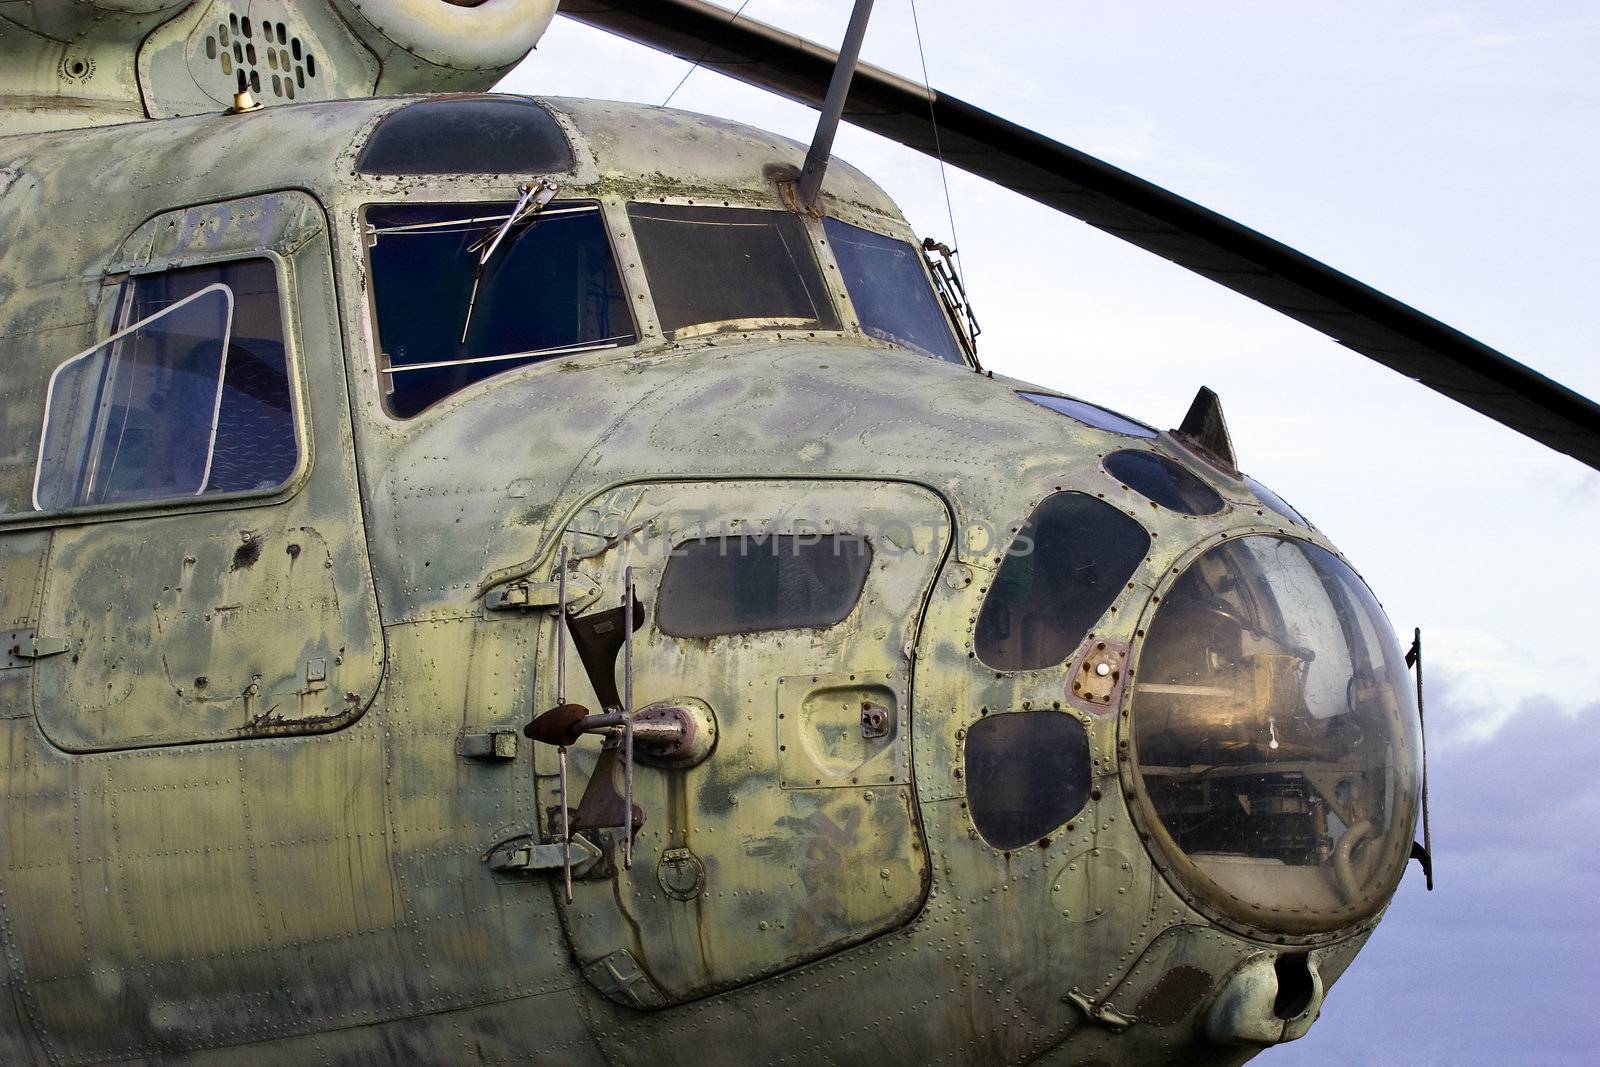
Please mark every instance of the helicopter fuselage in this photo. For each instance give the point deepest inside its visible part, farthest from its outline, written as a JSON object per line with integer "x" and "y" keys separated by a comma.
{"x": 263, "y": 705}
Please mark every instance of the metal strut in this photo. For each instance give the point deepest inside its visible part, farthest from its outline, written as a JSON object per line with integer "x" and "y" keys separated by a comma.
{"x": 561, "y": 699}
{"x": 669, "y": 731}
{"x": 627, "y": 717}
{"x": 816, "y": 165}
{"x": 1425, "y": 856}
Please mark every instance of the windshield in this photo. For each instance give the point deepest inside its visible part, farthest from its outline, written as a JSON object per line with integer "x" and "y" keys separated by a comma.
{"x": 889, "y": 288}
{"x": 715, "y": 269}
{"x": 549, "y": 289}
{"x": 1276, "y": 735}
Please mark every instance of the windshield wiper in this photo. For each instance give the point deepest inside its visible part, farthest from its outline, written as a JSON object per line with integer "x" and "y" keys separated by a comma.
{"x": 530, "y": 202}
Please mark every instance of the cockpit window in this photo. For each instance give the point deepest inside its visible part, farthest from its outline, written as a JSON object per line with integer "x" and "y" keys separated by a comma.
{"x": 1276, "y": 735}
{"x": 889, "y": 288}
{"x": 1062, "y": 572}
{"x": 740, "y": 585}
{"x": 192, "y": 397}
{"x": 550, "y": 288}
{"x": 715, "y": 269}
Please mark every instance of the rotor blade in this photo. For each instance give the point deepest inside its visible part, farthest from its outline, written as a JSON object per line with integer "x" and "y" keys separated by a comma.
{"x": 1110, "y": 199}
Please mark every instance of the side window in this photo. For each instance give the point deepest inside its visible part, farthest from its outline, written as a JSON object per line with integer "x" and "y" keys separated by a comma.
{"x": 739, "y": 585}
{"x": 191, "y": 396}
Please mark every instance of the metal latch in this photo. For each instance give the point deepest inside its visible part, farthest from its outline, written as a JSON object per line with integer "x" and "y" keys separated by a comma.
{"x": 25, "y": 645}
{"x": 499, "y": 744}
{"x": 1103, "y": 1013}
{"x": 536, "y": 596}
{"x": 524, "y": 855}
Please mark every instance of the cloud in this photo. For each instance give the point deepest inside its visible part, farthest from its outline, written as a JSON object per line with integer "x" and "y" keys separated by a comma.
{"x": 1498, "y": 965}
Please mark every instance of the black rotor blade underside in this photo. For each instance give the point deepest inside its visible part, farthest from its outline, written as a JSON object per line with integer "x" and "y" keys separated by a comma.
{"x": 1110, "y": 199}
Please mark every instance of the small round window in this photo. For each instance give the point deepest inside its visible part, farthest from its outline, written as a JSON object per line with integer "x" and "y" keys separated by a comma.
{"x": 1159, "y": 479}
{"x": 1027, "y": 773}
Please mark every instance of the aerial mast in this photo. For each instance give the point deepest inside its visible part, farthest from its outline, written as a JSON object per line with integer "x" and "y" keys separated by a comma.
{"x": 816, "y": 165}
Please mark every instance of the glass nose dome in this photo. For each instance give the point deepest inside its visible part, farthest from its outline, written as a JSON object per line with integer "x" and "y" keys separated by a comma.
{"x": 1275, "y": 736}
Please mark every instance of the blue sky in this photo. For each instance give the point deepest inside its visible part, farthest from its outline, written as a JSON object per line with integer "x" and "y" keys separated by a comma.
{"x": 1446, "y": 153}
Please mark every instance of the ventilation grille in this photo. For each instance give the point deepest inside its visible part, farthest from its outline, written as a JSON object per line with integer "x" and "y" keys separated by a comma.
{"x": 262, "y": 57}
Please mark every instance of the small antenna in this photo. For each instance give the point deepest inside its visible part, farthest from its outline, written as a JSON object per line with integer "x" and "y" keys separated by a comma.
{"x": 816, "y": 165}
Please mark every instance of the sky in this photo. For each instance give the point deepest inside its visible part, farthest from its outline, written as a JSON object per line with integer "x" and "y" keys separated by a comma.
{"x": 1444, "y": 153}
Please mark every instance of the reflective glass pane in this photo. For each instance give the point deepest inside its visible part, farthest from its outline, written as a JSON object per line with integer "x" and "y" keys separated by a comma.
{"x": 1089, "y": 414}
{"x": 550, "y": 289}
{"x": 130, "y": 420}
{"x": 1274, "y": 502}
{"x": 736, "y": 585}
{"x": 1027, "y": 773}
{"x": 889, "y": 288}
{"x": 1062, "y": 572}
{"x": 467, "y": 135}
{"x": 1276, "y": 734}
{"x": 257, "y": 447}
{"x": 718, "y": 268}
{"x": 1162, "y": 480}
{"x": 134, "y": 418}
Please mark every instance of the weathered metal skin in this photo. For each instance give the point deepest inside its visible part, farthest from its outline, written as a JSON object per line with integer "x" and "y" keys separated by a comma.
{"x": 274, "y": 886}
{"x": 75, "y": 63}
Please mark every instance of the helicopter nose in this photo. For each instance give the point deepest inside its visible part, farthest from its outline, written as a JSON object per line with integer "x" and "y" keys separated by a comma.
{"x": 1267, "y": 1000}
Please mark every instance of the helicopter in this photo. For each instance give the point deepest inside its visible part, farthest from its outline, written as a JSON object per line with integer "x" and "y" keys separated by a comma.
{"x": 491, "y": 578}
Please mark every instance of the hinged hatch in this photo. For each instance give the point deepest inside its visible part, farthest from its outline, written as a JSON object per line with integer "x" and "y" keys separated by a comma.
{"x": 786, "y": 610}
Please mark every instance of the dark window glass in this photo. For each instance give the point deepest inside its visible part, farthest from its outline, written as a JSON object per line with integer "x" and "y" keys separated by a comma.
{"x": 467, "y": 135}
{"x": 738, "y": 585}
{"x": 1027, "y": 773}
{"x": 713, "y": 269}
{"x": 550, "y": 289}
{"x": 890, "y": 289}
{"x": 1090, "y": 415}
{"x": 190, "y": 397}
{"x": 1276, "y": 503}
{"x": 1163, "y": 481}
{"x": 1063, "y": 571}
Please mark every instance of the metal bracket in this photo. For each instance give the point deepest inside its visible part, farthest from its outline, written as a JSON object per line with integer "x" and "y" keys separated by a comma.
{"x": 495, "y": 744}
{"x": 620, "y": 978}
{"x": 539, "y": 596}
{"x": 875, "y": 719}
{"x": 524, "y": 855}
{"x": 24, "y": 646}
